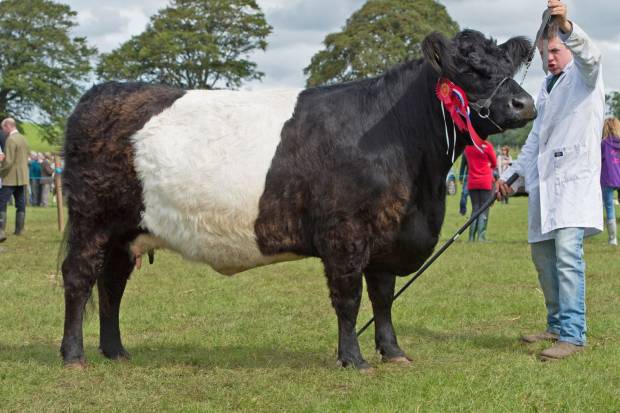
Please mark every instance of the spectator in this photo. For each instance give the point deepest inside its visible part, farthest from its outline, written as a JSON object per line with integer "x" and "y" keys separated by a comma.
{"x": 2, "y": 141}
{"x": 610, "y": 173}
{"x": 464, "y": 191}
{"x": 47, "y": 171}
{"x": 34, "y": 170}
{"x": 481, "y": 164}
{"x": 504, "y": 160}
{"x": 1, "y": 159}
{"x": 14, "y": 174}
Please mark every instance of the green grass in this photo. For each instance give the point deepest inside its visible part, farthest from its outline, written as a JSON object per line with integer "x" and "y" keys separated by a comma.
{"x": 264, "y": 341}
{"x": 36, "y": 143}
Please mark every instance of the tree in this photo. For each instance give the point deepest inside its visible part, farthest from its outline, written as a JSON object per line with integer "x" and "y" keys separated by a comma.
{"x": 42, "y": 68}
{"x": 513, "y": 137}
{"x": 379, "y": 35}
{"x": 613, "y": 104}
{"x": 193, "y": 44}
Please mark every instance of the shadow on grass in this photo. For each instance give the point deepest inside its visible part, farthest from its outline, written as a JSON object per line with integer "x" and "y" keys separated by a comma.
{"x": 510, "y": 344}
{"x": 239, "y": 356}
{"x": 45, "y": 354}
{"x": 168, "y": 355}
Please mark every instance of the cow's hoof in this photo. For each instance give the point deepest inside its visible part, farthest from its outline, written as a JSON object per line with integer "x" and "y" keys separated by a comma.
{"x": 122, "y": 358}
{"x": 367, "y": 371}
{"x": 116, "y": 355}
{"x": 400, "y": 360}
{"x": 362, "y": 365}
{"x": 75, "y": 364}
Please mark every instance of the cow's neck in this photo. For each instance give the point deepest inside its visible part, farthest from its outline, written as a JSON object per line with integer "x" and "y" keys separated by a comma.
{"x": 419, "y": 114}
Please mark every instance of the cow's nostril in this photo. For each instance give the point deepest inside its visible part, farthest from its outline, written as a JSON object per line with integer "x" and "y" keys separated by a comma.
{"x": 518, "y": 103}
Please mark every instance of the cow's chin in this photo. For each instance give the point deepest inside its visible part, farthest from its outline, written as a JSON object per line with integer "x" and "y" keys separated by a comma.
{"x": 515, "y": 124}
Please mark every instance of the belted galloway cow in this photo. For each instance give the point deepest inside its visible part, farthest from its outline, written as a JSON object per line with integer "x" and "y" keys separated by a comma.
{"x": 352, "y": 173}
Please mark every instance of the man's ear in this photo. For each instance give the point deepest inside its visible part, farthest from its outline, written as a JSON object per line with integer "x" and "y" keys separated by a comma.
{"x": 518, "y": 50}
{"x": 437, "y": 51}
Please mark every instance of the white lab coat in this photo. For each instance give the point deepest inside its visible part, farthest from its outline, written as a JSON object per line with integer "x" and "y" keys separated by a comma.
{"x": 561, "y": 158}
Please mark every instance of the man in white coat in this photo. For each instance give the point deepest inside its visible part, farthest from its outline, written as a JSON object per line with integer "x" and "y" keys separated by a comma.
{"x": 561, "y": 163}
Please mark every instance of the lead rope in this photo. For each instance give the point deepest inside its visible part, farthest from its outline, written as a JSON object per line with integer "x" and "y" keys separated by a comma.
{"x": 546, "y": 19}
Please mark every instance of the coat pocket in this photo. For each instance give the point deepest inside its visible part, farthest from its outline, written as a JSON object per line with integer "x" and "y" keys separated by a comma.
{"x": 570, "y": 164}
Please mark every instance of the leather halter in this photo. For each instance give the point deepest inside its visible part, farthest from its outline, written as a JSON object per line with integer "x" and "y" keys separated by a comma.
{"x": 483, "y": 106}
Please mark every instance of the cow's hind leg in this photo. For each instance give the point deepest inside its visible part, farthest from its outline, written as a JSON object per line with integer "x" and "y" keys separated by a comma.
{"x": 80, "y": 270}
{"x": 381, "y": 293}
{"x": 111, "y": 286}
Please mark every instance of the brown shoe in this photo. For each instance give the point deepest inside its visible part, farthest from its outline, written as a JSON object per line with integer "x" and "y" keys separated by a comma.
{"x": 560, "y": 350}
{"x": 542, "y": 336}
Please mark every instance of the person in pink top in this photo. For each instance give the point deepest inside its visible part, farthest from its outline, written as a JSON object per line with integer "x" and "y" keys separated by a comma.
{"x": 481, "y": 164}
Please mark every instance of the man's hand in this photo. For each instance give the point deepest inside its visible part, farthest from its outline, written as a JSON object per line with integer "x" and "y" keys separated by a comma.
{"x": 502, "y": 190}
{"x": 2, "y": 156}
{"x": 560, "y": 10}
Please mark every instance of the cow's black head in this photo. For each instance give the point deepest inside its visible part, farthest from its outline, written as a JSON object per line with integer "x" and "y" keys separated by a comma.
{"x": 479, "y": 65}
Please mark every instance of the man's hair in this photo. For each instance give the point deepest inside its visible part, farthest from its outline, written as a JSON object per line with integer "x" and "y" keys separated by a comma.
{"x": 8, "y": 122}
{"x": 611, "y": 127}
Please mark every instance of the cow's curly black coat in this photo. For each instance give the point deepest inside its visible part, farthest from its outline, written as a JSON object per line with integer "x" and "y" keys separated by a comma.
{"x": 105, "y": 200}
{"x": 357, "y": 180}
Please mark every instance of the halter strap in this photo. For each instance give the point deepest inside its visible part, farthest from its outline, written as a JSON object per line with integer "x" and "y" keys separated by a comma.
{"x": 483, "y": 106}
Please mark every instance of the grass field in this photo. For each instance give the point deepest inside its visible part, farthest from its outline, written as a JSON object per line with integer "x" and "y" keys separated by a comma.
{"x": 264, "y": 341}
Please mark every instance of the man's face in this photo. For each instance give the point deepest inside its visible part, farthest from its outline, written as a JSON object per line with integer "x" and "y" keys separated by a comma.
{"x": 558, "y": 57}
{"x": 5, "y": 129}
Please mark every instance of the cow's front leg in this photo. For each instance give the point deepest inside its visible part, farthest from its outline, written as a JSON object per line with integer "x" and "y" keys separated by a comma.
{"x": 381, "y": 293}
{"x": 344, "y": 250}
{"x": 345, "y": 291}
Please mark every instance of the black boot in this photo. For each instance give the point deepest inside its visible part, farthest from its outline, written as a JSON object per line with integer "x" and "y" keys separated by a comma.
{"x": 20, "y": 220}
{"x": 2, "y": 226}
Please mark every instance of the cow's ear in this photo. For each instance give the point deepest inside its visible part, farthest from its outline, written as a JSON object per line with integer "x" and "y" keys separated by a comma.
{"x": 518, "y": 50}
{"x": 437, "y": 51}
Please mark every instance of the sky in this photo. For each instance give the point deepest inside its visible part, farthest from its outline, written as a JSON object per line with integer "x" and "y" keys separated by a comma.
{"x": 299, "y": 27}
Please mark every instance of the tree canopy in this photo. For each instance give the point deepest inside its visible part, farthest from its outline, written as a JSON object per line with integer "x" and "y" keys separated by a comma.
{"x": 42, "y": 68}
{"x": 379, "y": 35}
{"x": 193, "y": 44}
{"x": 513, "y": 137}
{"x": 613, "y": 104}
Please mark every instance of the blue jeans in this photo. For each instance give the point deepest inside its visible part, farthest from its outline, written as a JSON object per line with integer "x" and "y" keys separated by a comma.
{"x": 464, "y": 194}
{"x": 608, "y": 202}
{"x": 561, "y": 273}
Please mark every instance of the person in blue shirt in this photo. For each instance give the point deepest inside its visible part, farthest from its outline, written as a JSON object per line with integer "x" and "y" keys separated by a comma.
{"x": 34, "y": 167}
